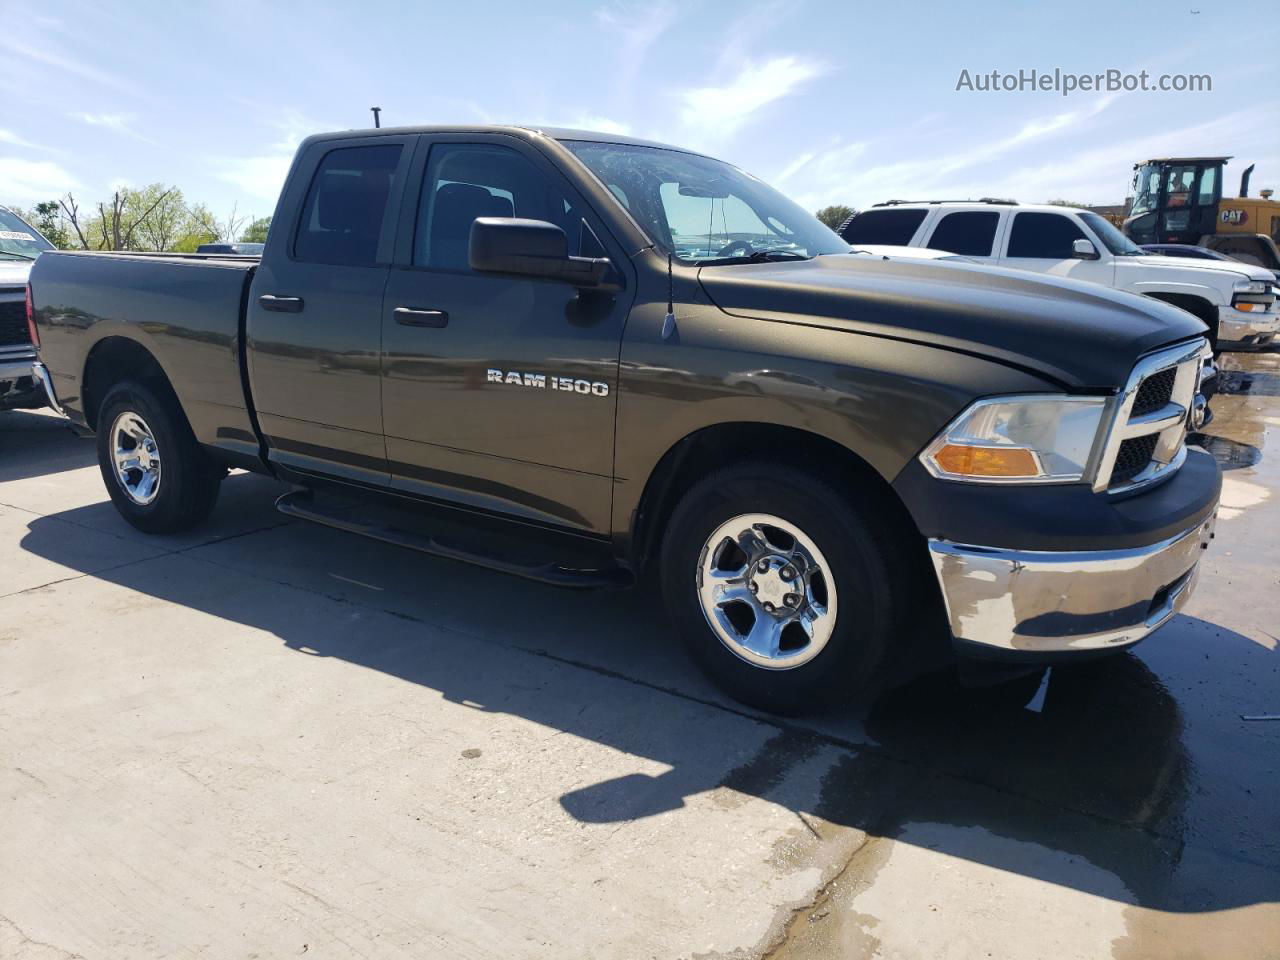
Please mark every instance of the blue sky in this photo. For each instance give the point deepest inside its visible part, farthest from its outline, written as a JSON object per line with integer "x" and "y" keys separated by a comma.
{"x": 832, "y": 102}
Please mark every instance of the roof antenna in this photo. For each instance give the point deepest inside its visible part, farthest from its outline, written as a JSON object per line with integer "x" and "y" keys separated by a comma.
{"x": 377, "y": 122}
{"x": 669, "y": 321}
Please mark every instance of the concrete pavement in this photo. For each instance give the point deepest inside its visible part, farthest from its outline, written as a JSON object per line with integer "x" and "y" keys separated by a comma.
{"x": 271, "y": 739}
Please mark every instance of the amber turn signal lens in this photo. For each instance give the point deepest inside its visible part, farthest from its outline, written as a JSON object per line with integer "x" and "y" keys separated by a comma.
{"x": 965, "y": 460}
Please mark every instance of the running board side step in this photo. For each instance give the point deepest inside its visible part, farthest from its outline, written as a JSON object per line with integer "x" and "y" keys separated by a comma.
{"x": 305, "y": 506}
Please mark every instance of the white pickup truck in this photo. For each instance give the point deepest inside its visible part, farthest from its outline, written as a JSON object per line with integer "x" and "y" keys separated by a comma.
{"x": 20, "y": 244}
{"x": 1237, "y": 301}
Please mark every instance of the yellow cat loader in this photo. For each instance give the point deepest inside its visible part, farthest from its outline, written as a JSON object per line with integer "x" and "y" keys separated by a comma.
{"x": 1178, "y": 200}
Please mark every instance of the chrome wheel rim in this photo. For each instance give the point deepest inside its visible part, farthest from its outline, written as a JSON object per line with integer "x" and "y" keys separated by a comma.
{"x": 136, "y": 458}
{"x": 766, "y": 591}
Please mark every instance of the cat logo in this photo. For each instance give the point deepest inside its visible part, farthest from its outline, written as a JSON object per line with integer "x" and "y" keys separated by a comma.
{"x": 540, "y": 381}
{"x": 1234, "y": 216}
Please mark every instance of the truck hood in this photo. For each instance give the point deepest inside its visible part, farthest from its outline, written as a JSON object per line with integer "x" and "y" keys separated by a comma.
{"x": 1079, "y": 334}
{"x": 14, "y": 273}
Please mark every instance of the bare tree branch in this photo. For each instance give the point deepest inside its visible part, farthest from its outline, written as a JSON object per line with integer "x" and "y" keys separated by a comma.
{"x": 68, "y": 204}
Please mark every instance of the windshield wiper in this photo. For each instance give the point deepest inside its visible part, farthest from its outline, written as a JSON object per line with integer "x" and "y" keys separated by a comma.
{"x": 758, "y": 256}
{"x": 19, "y": 256}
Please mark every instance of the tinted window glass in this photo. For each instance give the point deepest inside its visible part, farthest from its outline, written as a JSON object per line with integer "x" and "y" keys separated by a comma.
{"x": 891, "y": 227}
{"x": 1208, "y": 186}
{"x": 970, "y": 233}
{"x": 465, "y": 181}
{"x": 1045, "y": 235}
{"x": 345, "y": 208}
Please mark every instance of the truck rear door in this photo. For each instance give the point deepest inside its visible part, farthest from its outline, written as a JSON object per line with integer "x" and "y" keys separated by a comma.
{"x": 499, "y": 392}
{"x": 315, "y": 309}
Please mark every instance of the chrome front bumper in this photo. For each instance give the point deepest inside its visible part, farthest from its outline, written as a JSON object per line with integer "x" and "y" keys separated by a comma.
{"x": 1032, "y": 602}
{"x": 1235, "y": 325}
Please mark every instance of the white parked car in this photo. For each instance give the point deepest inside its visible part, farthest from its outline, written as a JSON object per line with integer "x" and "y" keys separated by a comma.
{"x": 1237, "y": 301}
{"x": 20, "y": 244}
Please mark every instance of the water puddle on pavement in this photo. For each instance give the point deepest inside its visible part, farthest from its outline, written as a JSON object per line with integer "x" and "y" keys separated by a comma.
{"x": 1230, "y": 454}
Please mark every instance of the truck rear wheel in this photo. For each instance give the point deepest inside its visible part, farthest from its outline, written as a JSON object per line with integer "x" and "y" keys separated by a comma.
{"x": 781, "y": 587}
{"x": 157, "y": 475}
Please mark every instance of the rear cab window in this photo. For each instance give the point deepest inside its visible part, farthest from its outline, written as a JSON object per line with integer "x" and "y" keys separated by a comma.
{"x": 345, "y": 210}
{"x": 970, "y": 233}
{"x": 888, "y": 227}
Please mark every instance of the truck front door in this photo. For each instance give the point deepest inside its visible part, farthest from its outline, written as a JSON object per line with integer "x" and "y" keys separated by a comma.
{"x": 314, "y": 312}
{"x": 499, "y": 392}
{"x": 1043, "y": 242}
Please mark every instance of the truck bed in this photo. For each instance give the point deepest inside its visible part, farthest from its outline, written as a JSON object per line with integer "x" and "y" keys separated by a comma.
{"x": 187, "y": 310}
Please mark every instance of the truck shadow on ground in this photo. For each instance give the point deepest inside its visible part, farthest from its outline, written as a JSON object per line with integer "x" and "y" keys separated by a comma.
{"x": 34, "y": 444}
{"x": 1096, "y": 773}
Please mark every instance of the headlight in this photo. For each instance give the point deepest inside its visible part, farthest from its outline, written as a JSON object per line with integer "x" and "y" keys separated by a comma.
{"x": 1252, "y": 286}
{"x": 1039, "y": 438}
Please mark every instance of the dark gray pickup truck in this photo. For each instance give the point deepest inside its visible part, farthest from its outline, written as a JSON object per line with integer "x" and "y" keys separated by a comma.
{"x": 578, "y": 357}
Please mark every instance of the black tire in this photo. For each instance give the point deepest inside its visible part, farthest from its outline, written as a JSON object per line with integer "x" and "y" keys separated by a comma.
{"x": 870, "y": 581}
{"x": 189, "y": 480}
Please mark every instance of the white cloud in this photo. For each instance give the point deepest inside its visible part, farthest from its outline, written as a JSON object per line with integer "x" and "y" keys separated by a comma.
{"x": 637, "y": 29}
{"x": 263, "y": 175}
{"x": 97, "y": 78}
{"x": 587, "y": 121}
{"x": 260, "y": 177}
{"x": 717, "y": 112}
{"x": 28, "y": 181}
{"x": 115, "y": 122}
{"x": 843, "y": 174}
{"x": 9, "y": 137}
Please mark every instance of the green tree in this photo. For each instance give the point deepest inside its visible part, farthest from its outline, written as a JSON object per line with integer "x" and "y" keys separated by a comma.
{"x": 256, "y": 232}
{"x": 47, "y": 218}
{"x": 143, "y": 219}
{"x": 835, "y": 215}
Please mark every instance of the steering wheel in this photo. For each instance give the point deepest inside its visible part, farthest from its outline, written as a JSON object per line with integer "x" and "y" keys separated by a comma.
{"x": 736, "y": 248}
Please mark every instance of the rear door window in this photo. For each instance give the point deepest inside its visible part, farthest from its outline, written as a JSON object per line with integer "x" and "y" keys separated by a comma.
{"x": 969, "y": 233}
{"x": 1043, "y": 236}
{"x": 346, "y": 207}
{"x": 889, "y": 227}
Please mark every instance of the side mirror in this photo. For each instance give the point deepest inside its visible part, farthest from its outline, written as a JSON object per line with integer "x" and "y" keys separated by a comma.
{"x": 1083, "y": 250}
{"x": 530, "y": 248}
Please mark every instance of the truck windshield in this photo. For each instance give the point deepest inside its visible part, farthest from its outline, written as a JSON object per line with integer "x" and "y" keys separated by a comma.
{"x": 1116, "y": 241}
{"x": 18, "y": 241}
{"x": 704, "y": 211}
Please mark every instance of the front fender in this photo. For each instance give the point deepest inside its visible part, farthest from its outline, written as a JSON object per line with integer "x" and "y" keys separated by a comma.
{"x": 881, "y": 399}
{"x": 1185, "y": 288}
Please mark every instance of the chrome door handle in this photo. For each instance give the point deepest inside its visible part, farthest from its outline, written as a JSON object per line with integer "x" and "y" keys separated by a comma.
{"x": 269, "y": 301}
{"x": 412, "y": 317}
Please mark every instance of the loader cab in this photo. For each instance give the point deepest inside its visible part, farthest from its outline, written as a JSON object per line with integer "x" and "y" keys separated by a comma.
{"x": 1175, "y": 200}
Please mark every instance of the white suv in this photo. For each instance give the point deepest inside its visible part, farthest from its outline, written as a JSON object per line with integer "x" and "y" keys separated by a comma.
{"x": 1237, "y": 301}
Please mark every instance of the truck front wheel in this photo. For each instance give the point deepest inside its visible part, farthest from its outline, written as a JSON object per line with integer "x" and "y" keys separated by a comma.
{"x": 156, "y": 474}
{"x": 784, "y": 589}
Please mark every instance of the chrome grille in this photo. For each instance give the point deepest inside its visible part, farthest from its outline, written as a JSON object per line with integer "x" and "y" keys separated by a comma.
{"x": 1132, "y": 458}
{"x": 1149, "y": 419}
{"x": 1154, "y": 392}
{"x": 13, "y": 324}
